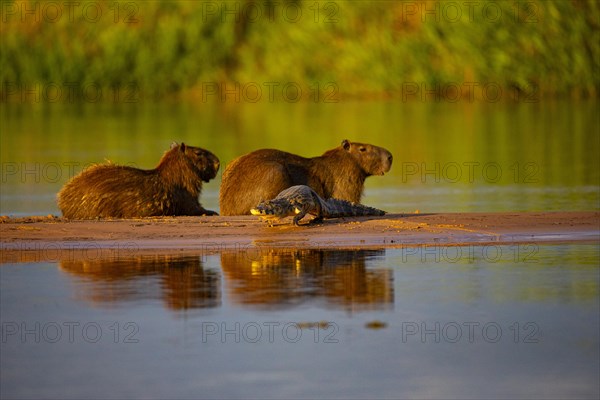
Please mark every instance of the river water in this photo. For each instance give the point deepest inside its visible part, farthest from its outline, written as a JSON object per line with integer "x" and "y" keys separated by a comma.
{"x": 447, "y": 156}
{"x": 513, "y": 321}
{"x": 517, "y": 321}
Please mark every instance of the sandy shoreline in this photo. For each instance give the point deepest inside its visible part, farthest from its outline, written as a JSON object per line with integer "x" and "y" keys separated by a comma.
{"x": 48, "y": 238}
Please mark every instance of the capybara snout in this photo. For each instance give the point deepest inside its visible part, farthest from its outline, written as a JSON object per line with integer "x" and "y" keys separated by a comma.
{"x": 203, "y": 161}
{"x": 374, "y": 160}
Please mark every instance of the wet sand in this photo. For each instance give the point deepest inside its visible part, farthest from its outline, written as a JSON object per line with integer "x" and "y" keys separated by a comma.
{"x": 47, "y": 238}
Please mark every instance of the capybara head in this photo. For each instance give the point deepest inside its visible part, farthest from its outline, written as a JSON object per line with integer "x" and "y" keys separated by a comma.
{"x": 373, "y": 160}
{"x": 204, "y": 163}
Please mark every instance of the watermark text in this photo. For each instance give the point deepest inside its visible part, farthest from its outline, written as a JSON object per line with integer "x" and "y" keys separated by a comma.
{"x": 69, "y": 332}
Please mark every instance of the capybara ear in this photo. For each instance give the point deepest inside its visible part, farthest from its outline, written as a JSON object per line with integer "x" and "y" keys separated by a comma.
{"x": 182, "y": 147}
{"x": 174, "y": 144}
{"x": 346, "y": 144}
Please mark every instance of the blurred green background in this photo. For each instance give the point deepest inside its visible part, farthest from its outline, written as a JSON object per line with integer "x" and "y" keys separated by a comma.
{"x": 368, "y": 48}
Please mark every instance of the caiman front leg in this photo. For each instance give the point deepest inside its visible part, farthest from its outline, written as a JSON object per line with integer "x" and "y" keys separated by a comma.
{"x": 301, "y": 211}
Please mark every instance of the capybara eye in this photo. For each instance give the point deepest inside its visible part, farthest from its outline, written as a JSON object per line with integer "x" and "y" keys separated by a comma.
{"x": 362, "y": 149}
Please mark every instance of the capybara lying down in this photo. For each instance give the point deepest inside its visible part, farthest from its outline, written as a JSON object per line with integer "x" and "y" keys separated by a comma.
{"x": 263, "y": 174}
{"x": 116, "y": 191}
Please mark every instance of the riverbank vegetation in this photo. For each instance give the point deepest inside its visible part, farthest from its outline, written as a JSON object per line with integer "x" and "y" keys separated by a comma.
{"x": 293, "y": 49}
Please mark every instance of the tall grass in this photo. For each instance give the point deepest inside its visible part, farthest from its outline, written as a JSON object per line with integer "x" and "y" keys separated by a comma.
{"x": 367, "y": 48}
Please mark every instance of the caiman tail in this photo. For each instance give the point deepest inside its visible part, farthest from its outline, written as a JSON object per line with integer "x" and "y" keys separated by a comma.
{"x": 333, "y": 208}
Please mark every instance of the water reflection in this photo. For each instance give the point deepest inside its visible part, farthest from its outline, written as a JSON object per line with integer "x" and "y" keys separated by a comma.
{"x": 541, "y": 307}
{"x": 451, "y": 156}
{"x": 270, "y": 278}
{"x": 181, "y": 282}
{"x": 277, "y": 278}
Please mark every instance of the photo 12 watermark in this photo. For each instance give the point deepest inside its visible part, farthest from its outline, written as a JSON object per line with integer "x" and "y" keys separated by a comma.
{"x": 269, "y": 332}
{"x": 469, "y": 172}
{"x": 454, "y": 92}
{"x": 69, "y": 251}
{"x": 69, "y": 332}
{"x": 54, "y": 12}
{"x": 489, "y": 253}
{"x": 47, "y": 172}
{"x": 69, "y": 92}
{"x": 326, "y": 12}
{"x": 254, "y": 92}
{"x": 493, "y": 12}
{"x": 469, "y": 332}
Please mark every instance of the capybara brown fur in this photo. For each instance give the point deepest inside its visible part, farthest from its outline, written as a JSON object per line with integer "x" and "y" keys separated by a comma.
{"x": 262, "y": 174}
{"x": 115, "y": 191}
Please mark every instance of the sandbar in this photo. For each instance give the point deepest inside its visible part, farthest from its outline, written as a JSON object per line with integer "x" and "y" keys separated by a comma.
{"x": 39, "y": 238}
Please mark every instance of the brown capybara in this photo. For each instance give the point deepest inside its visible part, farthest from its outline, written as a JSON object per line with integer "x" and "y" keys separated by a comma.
{"x": 262, "y": 174}
{"x": 115, "y": 191}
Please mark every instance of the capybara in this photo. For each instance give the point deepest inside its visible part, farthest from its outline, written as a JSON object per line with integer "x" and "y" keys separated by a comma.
{"x": 115, "y": 191}
{"x": 262, "y": 174}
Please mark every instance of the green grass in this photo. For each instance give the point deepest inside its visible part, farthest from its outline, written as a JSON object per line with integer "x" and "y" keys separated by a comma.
{"x": 365, "y": 48}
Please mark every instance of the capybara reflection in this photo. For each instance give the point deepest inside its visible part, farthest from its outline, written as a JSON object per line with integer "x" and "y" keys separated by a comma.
{"x": 181, "y": 282}
{"x": 283, "y": 278}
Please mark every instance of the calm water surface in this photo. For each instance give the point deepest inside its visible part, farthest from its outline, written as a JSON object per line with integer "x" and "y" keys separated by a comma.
{"x": 457, "y": 322}
{"x": 447, "y": 157}
{"x": 462, "y": 322}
